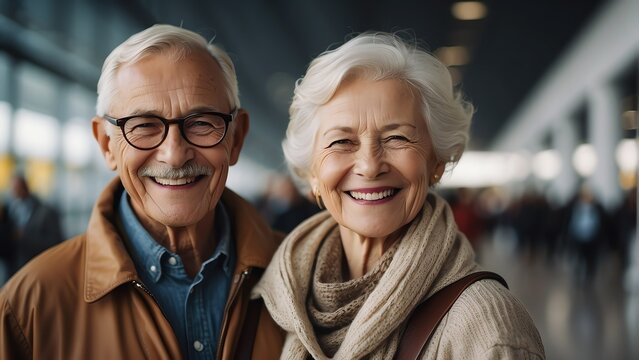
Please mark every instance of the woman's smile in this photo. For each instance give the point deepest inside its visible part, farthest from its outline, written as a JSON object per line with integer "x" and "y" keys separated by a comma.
{"x": 373, "y": 195}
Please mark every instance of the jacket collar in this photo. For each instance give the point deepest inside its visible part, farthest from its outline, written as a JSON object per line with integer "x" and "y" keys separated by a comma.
{"x": 109, "y": 265}
{"x": 255, "y": 241}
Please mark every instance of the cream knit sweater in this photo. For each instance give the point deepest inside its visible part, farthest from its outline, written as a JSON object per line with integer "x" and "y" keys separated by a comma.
{"x": 486, "y": 322}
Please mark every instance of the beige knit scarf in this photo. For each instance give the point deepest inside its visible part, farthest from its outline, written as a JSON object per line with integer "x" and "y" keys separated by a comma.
{"x": 333, "y": 302}
{"x": 430, "y": 255}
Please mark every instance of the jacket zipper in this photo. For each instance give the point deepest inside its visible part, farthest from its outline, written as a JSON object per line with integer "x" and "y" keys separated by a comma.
{"x": 141, "y": 286}
{"x": 242, "y": 277}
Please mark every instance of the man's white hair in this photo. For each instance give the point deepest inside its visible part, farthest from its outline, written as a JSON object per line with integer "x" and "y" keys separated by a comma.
{"x": 167, "y": 39}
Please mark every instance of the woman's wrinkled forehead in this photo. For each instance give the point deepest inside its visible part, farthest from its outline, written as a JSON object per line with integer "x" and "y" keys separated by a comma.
{"x": 353, "y": 98}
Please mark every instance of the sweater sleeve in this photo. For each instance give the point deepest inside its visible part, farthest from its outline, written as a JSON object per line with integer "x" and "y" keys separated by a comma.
{"x": 486, "y": 322}
{"x": 509, "y": 352}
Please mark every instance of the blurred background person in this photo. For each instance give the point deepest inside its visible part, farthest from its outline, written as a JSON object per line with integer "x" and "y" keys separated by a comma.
{"x": 587, "y": 230}
{"x": 6, "y": 243}
{"x": 530, "y": 219}
{"x": 625, "y": 222}
{"x": 35, "y": 224}
{"x": 470, "y": 222}
{"x": 298, "y": 208}
{"x": 283, "y": 205}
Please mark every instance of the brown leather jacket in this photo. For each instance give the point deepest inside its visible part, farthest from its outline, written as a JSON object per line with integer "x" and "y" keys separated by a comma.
{"x": 82, "y": 299}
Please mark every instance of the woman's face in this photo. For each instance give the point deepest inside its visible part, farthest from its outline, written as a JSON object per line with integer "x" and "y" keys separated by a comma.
{"x": 372, "y": 157}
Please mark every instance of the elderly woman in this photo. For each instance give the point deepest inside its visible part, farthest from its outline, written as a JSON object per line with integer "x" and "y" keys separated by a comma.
{"x": 374, "y": 124}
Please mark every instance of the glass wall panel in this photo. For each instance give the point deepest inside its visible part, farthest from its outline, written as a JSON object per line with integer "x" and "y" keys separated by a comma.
{"x": 37, "y": 89}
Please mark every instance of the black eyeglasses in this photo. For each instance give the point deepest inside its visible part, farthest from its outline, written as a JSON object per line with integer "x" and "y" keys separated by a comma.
{"x": 146, "y": 132}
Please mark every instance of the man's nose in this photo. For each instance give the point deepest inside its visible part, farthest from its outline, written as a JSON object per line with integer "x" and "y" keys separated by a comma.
{"x": 175, "y": 150}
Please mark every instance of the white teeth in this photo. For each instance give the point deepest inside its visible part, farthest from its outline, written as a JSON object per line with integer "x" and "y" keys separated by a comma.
{"x": 174, "y": 182}
{"x": 372, "y": 196}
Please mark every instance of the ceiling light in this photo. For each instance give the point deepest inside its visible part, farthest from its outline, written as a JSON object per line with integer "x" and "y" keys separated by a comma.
{"x": 546, "y": 165}
{"x": 36, "y": 135}
{"x": 76, "y": 147}
{"x": 485, "y": 168}
{"x": 629, "y": 120}
{"x": 626, "y": 155}
{"x": 469, "y": 10}
{"x": 584, "y": 160}
{"x": 453, "y": 55}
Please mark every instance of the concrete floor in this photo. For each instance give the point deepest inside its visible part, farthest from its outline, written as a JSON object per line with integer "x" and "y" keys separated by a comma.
{"x": 577, "y": 320}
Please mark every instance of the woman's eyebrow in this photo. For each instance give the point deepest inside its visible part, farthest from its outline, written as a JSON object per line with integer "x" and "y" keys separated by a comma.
{"x": 344, "y": 129}
{"x": 394, "y": 126}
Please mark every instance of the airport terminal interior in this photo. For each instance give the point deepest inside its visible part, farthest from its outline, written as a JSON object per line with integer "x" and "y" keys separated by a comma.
{"x": 555, "y": 86}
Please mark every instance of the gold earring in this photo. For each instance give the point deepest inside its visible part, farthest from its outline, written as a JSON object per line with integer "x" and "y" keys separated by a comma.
{"x": 318, "y": 199}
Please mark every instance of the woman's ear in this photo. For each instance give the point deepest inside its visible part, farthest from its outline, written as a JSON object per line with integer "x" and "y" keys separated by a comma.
{"x": 313, "y": 182}
{"x": 315, "y": 191}
{"x": 103, "y": 139}
{"x": 440, "y": 168}
{"x": 438, "y": 172}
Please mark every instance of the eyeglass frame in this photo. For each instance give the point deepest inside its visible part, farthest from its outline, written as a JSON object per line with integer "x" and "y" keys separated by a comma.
{"x": 120, "y": 122}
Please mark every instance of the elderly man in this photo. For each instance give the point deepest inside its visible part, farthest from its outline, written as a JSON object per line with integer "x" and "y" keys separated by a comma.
{"x": 165, "y": 267}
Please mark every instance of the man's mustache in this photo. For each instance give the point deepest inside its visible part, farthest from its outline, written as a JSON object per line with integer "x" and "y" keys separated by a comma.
{"x": 189, "y": 169}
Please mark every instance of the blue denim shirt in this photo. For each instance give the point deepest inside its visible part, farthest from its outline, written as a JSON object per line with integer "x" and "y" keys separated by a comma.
{"x": 193, "y": 307}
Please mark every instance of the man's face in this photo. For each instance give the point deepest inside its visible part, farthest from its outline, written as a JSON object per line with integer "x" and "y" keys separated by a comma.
{"x": 162, "y": 86}
{"x": 19, "y": 188}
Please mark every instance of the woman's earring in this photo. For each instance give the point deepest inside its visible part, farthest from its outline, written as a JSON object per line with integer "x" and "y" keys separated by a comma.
{"x": 435, "y": 179}
{"x": 318, "y": 199}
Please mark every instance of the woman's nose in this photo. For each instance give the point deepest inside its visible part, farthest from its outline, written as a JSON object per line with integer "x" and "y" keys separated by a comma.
{"x": 370, "y": 161}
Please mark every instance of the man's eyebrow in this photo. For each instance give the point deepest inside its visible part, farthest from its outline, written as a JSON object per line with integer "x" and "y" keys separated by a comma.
{"x": 204, "y": 108}
{"x": 197, "y": 109}
{"x": 140, "y": 111}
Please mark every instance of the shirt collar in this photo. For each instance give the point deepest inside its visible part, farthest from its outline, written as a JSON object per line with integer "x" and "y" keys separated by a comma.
{"x": 223, "y": 235}
{"x": 147, "y": 253}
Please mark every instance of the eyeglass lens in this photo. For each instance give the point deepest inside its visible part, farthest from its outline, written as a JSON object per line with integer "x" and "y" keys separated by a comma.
{"x": 201, "y": 130}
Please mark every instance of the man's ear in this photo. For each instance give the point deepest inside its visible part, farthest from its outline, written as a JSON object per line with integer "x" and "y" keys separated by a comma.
{"x": 103, "y": 139}
{"x": 240, "y": 130}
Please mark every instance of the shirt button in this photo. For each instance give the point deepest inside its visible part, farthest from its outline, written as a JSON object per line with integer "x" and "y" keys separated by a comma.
{"x": 153, "y": 268}
{"x": 172, "y": 261}
{"x": 198, "y": 346}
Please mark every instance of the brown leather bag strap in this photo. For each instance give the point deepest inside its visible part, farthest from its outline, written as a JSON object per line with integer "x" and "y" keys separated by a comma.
{"x": 428, "y": 314}
{"x": 247, "y": 337}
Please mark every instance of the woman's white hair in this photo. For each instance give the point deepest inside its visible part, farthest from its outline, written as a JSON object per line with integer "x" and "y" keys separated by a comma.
{"x": 167, "y": 39}
{"x": 377, "y": 56}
